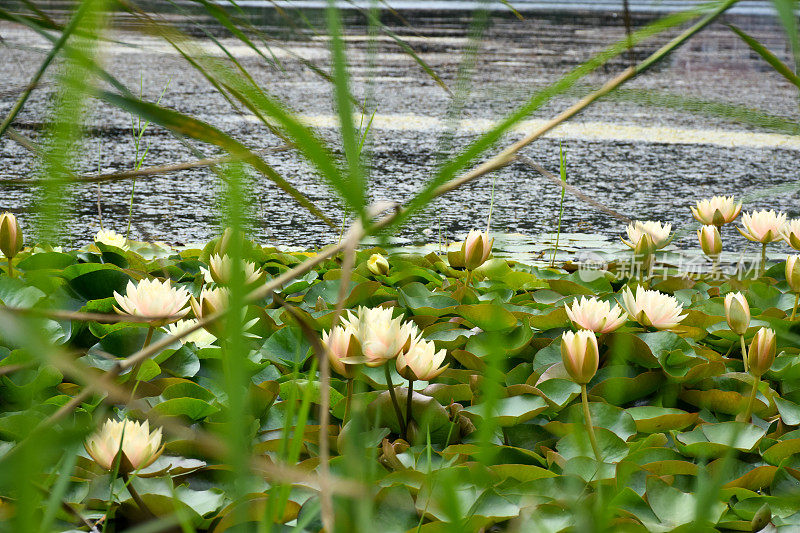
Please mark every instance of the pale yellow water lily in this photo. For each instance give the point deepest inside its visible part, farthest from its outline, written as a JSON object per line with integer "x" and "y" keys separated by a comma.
{"x": 658, "y": 232}
{"x": 199, "y": 337}
{"x": 10, "y": 235}
{"x": 421, "y": 361}
{"x": 595, "y": 315}
{"x": 653, "y": 308}
{"x": 791, "y": 233}
{"x": 378, "y": 265}
{"x": 381, "y": 337}
{"x": 762, "y": 352}
{"x": 139, "y": 446}
{"x": 153, "y": 299}
{"x": 580, "y": 355}
{"x": 737, "y": 312}
{"x": 341, "y": 343}
{"x": 763, "y": 226}
{"x": 717, "y": 210}
{"x": 111, "y": 238}
{"x": 220, "y": 269}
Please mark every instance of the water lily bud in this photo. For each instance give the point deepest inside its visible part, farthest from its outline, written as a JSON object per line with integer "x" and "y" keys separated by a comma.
{"x": 793, "y": 272}
{"x": 710, "y": 240}
{"x": 580, "y": 355}
{"x": 378, "y": 265}
{"x": 791, "y": 233}
{"x": 211, "y": 301}
{"x": 762, "y": 352}
{"x": 737, "y": 312}
{"x": 341, "y": 343}
{"x": 476, "y": 249}
{"x": 421, "y": 361}
{"x": 138, "y": 445}
{"x": 10, "y": 235}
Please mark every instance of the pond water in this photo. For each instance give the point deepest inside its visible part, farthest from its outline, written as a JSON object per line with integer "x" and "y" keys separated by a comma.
{"x": 649, "y": 152}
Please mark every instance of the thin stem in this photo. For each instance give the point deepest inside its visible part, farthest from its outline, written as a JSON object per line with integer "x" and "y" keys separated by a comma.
{"x": 763, "y": 259}
{"x": 135, "y": 495}
{"x": 10, "y": 269}
{"x": 348, "y": 400}
{"x": 588, "y": 420}
{"x": 397, "y": 411}
{"x": 794, "y": 308}
{"x": 408, "y": 405}
{"x": 744, "y": 352}
{"x": 138, "y": 366}
{"x": 468, "y": 283}
{"x": 749, "y": 412}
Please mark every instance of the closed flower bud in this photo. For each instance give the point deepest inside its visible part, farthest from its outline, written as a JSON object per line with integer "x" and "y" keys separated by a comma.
{"x": 580, "y": 355}
{"x": 791, "y": 233}
{"x": 762, "y": 352}
{"x": 710, "y": 241}
{"x": 378, "y": 265}
{"x": 737, "y": 312}
{"x": 476, "y": 249}
{"x": 421, "y": 361}
{"x": 10, "y": 235}
{"x": 341, "y": 343}
{"x": 793, "y": 272}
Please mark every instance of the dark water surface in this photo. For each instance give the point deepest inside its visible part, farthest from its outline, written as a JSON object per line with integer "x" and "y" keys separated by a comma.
{"x": 635, "y": 153}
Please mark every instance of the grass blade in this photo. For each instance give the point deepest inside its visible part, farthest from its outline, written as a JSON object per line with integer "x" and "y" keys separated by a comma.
{"x": 781, "y": 67}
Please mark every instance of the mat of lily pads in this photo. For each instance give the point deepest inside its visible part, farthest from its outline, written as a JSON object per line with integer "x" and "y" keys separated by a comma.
{"x": 499, "y": 442}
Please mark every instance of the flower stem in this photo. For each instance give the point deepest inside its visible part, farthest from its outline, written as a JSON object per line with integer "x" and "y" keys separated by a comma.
{"x": 744, "y": 352}
{"x": 794, "y": 309}
{"x": 10, "y": 269}
{"x": 763, "y": 258}
{"x": 588, "y": 420}
{"x": 135, "y": 495}
{"x": 469, "y": 278}
{"x": 138, "y": 366}
{"x": 397, "y": 411}
{"x": 749, "y": 412}
{"x": 348, "y": 400}
{"x": 408, "y": 405}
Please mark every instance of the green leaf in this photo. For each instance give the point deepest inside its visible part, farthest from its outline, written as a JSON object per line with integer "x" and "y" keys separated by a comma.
{"x": 488, "y": 317}
{"x": 192, "y": 408}
{"x": 94, "y": 281}
{"x": 287, "y": 346}
{"x": 509, "y": 411}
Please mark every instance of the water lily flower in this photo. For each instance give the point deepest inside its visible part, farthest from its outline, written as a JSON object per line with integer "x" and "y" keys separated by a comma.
{"x": 762, "y": 352}
{"x": 378, "y": 265}
{"x": 381, "y": 337}
{"x": 111, "y": 238}
{"x": 763, "y": 226}
{"x": 737, "y": 312}
{"x": 595, "y": 315}
{"x": 421, "y": 361}
{"x": 341, "y": 343}
{"x": 139, "y": 446}
{"x": 580, "y": 355}
{"x": 476, "y": 249}
{"x": 791, "y": 233}
{"x": 660, "y": 234}
{"x": 653, "y": 308}
{"x": 153, "y": 299}
{"x": 220, "y": 268}
{"x": 716, "y": 211}
{"x": 710, "y": 241}
{"x": 10, "y": 235}
{"x": 200, "y": 337}
{"x": 793, "y": 272}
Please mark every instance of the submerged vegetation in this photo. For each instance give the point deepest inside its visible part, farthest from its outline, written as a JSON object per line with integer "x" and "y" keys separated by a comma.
{"x": 235, "y": 386}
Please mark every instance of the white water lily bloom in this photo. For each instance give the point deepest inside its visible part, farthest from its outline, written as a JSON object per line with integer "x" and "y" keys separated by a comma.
{"x": 653, "y": 308}
{"x": 791, "y": 233}
{"x": 660, "y": 234}
{"x": 200, "y": 337}
{"x": 763, "y": 226}
{"x": 421, "y": 361}
{"x": 382, "y": 337}
{"x": 716, "y": 211}
{"x": 111, "y": 238}
{"x": 153, "y": 299}
{"x": 595, "y": 315}
{"x": 139, "y": 446}
{"x": 341, "y": 343}
{"x": 221, "y": 270}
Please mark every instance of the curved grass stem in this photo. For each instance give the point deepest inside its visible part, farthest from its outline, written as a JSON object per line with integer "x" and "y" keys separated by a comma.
{"x": 587, "y": 418}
